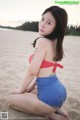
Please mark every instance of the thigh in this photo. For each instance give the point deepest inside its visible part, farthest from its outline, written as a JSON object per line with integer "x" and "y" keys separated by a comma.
{"x": 29, "y": 103}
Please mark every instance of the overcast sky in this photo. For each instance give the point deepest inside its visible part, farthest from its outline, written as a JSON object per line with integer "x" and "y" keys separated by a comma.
{"x": 16, "y": 12}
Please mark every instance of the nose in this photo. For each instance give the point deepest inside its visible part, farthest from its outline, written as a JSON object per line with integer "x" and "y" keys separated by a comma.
{"x": 43, "y": 24}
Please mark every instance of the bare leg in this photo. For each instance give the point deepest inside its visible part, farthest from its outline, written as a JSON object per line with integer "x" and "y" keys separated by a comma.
{"x": 29, "y": 103}
{"x": 57, "y": 117}
{"x": 63, "y": 112}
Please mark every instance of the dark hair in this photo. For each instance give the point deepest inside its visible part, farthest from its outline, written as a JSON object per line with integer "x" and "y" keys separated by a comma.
{"x": 60, "y": 16}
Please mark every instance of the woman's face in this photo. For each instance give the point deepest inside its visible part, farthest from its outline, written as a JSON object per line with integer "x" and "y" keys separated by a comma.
{"x": 46, "y": 24}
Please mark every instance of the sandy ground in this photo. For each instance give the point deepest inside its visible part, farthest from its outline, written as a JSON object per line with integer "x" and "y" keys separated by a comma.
{"x": 15, "y": 47}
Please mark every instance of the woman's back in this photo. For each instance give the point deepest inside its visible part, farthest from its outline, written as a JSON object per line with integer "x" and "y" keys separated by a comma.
{"x": 50, "y": 54}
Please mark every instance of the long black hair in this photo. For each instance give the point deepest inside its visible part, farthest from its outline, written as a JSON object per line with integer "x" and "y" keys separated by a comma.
{"x": 58, "y": 33}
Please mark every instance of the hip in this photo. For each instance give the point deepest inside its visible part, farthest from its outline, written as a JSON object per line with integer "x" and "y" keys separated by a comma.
{"x": 51, "y": 90}
{"x": 50, "y": 84}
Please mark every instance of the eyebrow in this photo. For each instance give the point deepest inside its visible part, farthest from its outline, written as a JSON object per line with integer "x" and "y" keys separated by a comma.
{"x": 50, "y": 20}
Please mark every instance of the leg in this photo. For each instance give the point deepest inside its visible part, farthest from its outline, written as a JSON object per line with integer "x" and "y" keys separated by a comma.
{"x": 63, "y": 112}
{"x": 29, "y": 103}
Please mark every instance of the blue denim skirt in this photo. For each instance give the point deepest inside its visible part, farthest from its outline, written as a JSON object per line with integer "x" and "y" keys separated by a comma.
{"x": 51, "y": 91}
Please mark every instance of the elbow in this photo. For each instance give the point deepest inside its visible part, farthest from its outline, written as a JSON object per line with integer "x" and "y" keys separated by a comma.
{"x": 32, "y": 72}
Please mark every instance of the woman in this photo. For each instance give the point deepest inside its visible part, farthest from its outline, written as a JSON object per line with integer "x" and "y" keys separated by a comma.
{"x": 48, "y": 97}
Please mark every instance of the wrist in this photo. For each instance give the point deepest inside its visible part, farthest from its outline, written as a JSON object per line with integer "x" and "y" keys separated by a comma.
{"x": 22, "y": 90}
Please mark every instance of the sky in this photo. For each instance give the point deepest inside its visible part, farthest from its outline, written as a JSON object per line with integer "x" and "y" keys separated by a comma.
{"x": 16, "y": 12}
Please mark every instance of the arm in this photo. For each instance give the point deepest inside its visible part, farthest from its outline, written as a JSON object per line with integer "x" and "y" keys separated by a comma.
{"x": 31, "y": 86}
{"x": 26, "y": 85}
{"x": 35, "y": 65}
{"x": 27, "y": 81}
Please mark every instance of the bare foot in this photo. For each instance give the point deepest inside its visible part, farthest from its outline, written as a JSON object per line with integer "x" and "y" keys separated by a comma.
{"x": 63, "y": 112}
{"x": 55, "y": 116}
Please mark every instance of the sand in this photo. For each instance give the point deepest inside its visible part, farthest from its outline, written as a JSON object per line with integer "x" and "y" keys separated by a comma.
{"x": 15, "y": 47}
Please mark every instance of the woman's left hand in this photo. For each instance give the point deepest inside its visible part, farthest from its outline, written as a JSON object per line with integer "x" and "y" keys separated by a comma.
{"x": 18, "y": 91}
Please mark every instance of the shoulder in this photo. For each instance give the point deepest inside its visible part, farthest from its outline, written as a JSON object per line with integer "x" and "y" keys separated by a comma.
{"x": 42, "y": 42}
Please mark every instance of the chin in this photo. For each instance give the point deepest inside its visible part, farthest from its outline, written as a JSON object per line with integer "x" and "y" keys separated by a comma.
{"x": 42, "y": 34}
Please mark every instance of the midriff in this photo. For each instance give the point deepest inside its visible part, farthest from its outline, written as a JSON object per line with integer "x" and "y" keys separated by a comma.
{"x": 45, "y": 72}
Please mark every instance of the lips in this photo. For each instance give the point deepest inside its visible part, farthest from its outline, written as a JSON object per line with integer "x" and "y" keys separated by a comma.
{"x": 41, "y": 30}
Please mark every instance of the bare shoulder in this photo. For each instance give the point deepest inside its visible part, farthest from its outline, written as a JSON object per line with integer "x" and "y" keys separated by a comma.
{"x": 43, "y": 42}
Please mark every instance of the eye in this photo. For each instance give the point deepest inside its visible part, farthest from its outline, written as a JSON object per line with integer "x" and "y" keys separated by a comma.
{"x": 42, "y": 19}
{"x": 49, "y": 23}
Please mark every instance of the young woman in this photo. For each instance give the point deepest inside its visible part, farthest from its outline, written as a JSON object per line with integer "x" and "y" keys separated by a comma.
{"x": 42, "y": 93}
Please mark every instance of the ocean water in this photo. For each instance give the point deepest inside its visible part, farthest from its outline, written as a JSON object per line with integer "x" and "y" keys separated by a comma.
{"x": 5, "y": 29}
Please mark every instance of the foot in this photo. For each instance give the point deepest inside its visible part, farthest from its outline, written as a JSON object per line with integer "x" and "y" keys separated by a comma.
{"x": 55, "y": 116}
{"x": 63, "y": 112}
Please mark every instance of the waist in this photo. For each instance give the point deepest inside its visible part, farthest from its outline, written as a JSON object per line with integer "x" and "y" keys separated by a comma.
{"x": 45, "y": 72}
{"x": 46, "y": 80}
{"x": 50, "y": 83}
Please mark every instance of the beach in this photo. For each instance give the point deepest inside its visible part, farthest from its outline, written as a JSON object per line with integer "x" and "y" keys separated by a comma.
{"x": 15, "y": 47}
